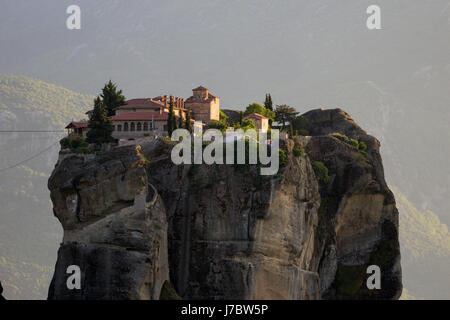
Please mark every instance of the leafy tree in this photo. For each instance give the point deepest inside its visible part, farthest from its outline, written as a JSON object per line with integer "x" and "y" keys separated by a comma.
{"x": 112, "y": 98}
{"x": 222, "y": 116}
{"x": 298, "y": 151}
{"x": 100, "y": 126}
{"x": 245, "y": 124}
{"x": 241, "y": 117}
{"x": 220, "y": 125}
{"x": 257, "y": 108}
{"x": 268, "y": 102}
{"x": 284, "y": 114}
{"x": 187, "y": 124}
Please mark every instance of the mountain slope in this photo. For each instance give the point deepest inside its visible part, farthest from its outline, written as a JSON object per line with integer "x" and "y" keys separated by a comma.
{"x": 425, "y": 249}
{"x": 307, "y": 53}
{"x": 28, "y": 232}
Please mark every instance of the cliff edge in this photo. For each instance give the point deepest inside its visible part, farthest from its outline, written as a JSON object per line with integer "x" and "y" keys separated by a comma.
{"x": 135, "y": 223}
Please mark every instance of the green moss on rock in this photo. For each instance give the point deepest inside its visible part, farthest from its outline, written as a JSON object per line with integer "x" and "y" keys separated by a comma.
{"x": 168, "y": 292}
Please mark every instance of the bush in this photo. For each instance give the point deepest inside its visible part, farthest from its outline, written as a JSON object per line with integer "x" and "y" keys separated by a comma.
{"x": 354, "y": 143}
{"x": 341, "y": 137}
{"x": 298, "y": 151}
{"x": 77, "y": 142}
{"x": 76, "y": 145}
{"x": 321, "y": 171}
{"x": 245, "y": 125}
{"x": 222, "y": 126}
{"x": 362, "y": 147}
{"x": 282, "y": 157}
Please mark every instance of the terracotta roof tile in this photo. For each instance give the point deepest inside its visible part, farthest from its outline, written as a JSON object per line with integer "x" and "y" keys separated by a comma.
{"x": 81, "y": 124}
{"x": 136, "y": 116}
{"x": 256, "y": 115}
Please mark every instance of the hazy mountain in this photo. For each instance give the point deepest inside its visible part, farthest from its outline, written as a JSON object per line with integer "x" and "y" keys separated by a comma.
{"x": 29, "y": 234}
{"x": 306, "y": 53}
{"x": 425, "y": 249}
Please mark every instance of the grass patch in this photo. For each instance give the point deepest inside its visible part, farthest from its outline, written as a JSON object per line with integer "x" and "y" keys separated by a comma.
{"x": 321, "y": 172}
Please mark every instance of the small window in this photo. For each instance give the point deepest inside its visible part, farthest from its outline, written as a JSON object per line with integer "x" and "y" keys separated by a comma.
{"x": 145, "y": 126}
{"x": 133, "y": 127}
{"x": 139, "y": 126}
{"x": 125, "y": 126}
{"x": 119, "y": 127}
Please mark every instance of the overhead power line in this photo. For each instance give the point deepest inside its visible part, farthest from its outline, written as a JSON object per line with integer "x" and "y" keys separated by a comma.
{"x": 29, "y": 131}
{"x": 30, "y": 158}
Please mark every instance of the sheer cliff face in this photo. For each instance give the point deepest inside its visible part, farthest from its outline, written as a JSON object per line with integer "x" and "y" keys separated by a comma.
{"x": 224, "y": 231}
{"x": 115, "y": 228}
{"x": 358, "y": 211}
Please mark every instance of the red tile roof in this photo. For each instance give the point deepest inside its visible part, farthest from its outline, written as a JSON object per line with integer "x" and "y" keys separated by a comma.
{"x": 256, "y": 115}
{"x": 73, "y": 124}
{"x": 143, "y": 116}
{"x": 144, "y": 103}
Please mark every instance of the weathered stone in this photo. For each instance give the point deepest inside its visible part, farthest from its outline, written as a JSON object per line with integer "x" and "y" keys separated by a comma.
{"x": 113, "y": 231}
{"x": 224, "y": 231}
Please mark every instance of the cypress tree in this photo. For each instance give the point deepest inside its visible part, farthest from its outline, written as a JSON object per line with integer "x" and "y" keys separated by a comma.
{"x": 187, "y": 124}
{"x": 268, "y": 102}
{"x": 268, "y": 105}
{"x": 100, "y": 126}
{"x": 112, "y": 97}
{"x": 171, "y": 121}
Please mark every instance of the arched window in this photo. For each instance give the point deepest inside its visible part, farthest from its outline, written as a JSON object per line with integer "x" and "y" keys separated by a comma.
{"x": 119, "y": 127}
{"x": 125, "y": 126}
{"x": 139, "y": 126}
{"x": 133, "y": 127}
{"x": 145, "y": 126}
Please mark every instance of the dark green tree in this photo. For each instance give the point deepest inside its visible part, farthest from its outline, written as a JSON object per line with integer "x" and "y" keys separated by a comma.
{"x": 171, "y": 119}
{"x": 257, "y": 108}
{"x": 269, "y": 106}
{"x": 241, "y": 117}
{"x": 268, "y": 103}
{"x": 187, "y": 124}
{"x": 284, "y": 114}
{"x": 112, "y": 98}
{"x": 100, "y": 126}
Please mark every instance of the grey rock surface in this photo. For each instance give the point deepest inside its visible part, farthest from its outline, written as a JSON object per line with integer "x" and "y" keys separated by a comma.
{"x": 133, "y": 221}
